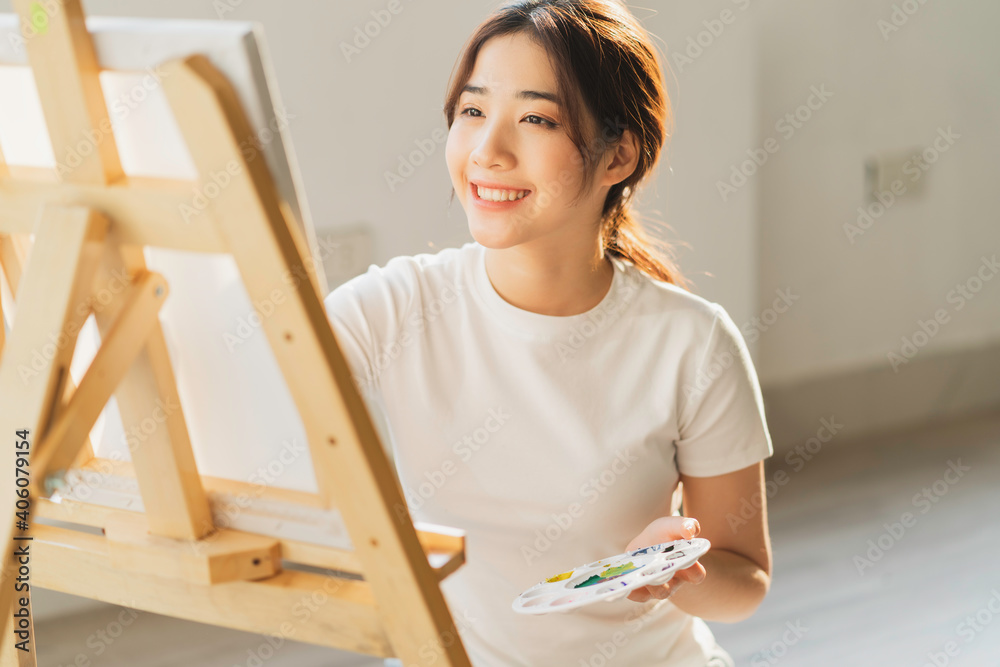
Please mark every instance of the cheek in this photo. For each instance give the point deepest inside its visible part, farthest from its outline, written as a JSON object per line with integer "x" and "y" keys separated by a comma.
{"x": 564, "y": 174}
{"x": 454, "y": 153}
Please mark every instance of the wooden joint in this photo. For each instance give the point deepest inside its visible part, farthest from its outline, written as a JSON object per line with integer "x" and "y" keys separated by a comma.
{"x": 223, "y": 556}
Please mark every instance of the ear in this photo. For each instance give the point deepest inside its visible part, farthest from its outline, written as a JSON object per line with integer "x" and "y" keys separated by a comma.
{"x": 623, "y": 159}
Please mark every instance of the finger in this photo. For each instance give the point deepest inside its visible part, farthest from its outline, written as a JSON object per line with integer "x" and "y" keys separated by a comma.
{"x": 693, "y": 574}
{"x": 639, "y": 594}
{"x": 665, "y": 529}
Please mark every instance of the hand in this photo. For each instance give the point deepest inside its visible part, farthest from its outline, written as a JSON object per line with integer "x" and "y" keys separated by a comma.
{"x": 667, "y": 529}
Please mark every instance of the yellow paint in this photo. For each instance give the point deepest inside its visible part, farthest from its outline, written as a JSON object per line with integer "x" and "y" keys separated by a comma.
{"x": 560, "y": 577}
{"x": 621, "y": 569}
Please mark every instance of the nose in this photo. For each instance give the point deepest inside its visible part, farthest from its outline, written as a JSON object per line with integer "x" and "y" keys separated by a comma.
{"x": 493, "y": 148}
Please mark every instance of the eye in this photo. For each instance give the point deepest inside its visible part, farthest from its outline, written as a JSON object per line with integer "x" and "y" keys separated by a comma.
{"x": 544, "y": 122}
{"x": 479, "y": 114}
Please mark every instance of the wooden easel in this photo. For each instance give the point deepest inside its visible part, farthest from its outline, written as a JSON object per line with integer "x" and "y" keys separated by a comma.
{"x": 171, "y": 559}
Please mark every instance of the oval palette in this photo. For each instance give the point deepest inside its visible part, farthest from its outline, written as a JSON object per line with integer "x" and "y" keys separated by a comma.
{"x": 610, "y": 578}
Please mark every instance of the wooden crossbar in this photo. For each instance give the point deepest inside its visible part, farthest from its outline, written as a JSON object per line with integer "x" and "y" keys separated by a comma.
{"x": 167, "y": 553}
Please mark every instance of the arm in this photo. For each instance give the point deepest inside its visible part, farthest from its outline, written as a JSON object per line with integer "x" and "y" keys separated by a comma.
{"x": 729, "y": 582}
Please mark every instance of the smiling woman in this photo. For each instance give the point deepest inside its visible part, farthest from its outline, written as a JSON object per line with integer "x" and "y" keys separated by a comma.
{"x": 571, "y": 323}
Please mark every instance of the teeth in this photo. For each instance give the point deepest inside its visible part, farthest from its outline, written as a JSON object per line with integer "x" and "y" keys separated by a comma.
{"x": 500, "y": 195}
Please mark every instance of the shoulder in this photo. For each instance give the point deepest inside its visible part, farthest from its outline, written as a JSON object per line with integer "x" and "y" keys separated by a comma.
{"x": 403, "y": 279}
{"x": 683, "y": 313}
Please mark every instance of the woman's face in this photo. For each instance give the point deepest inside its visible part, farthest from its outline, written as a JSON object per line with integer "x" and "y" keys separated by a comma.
{"x": 508, "y": 136}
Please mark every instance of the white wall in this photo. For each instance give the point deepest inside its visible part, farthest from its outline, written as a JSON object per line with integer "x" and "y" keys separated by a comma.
{"x": 941, "y": 69}
{"x": 351, "y": 122}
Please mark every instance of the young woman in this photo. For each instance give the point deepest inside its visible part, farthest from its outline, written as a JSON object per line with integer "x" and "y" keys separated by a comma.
{"x": 548, "y": 386}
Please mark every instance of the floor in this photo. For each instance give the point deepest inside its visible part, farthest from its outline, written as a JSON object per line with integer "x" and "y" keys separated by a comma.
{"x": 904, "y": 599}
{"x": 850, "y": 586}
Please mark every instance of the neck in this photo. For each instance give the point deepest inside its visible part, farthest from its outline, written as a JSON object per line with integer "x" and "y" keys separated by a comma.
{"x": 559, "y": 281}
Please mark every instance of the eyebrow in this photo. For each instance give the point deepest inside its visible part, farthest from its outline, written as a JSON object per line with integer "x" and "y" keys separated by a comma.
{"x": 521, "y": 94}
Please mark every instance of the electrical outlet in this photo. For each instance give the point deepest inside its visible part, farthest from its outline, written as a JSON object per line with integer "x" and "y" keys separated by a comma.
{"x": 897, "y": 172}
{"x": 346, "y": 252}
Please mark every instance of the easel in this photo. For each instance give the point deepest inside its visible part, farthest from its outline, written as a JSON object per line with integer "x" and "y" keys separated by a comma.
{"x": 93, "y": 221}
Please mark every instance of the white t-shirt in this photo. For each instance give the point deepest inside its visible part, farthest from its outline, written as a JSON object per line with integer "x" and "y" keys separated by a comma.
{"x": 552, "y": 441}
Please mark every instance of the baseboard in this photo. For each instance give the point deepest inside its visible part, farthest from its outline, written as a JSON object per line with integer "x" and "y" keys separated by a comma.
{"x": 929, "y": 388}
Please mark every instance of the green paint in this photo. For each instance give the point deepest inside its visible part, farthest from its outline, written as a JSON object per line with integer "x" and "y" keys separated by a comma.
{"x": 39, "y": 18}
{"x": 609, "y": 573}
{"x": 596, "y": 579}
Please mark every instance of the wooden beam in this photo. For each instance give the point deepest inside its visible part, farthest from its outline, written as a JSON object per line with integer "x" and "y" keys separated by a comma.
{"x": 164, "y": 462}
{"x": 66, "y": 72}
{"x": 146, "y": 211}
{"x": 126, "y": 338}
{"x": 3, "y": 327}
{"x": 14, "y": 251}
{"x": 232, "y": 556}
{"x": 444, "y": 546}
{"x": 35, "y": 366}
{"x": 302, "y": 606}
{"x": 351, "y": 466}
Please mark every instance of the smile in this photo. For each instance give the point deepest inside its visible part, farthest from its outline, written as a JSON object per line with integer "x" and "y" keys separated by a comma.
{"x": 497, "y": 199}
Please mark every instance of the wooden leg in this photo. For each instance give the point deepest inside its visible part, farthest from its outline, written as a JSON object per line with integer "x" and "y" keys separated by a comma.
{"x": 59, "y": 447}
{"x": 35, "y": 366}
{"x": 172, "y": 493}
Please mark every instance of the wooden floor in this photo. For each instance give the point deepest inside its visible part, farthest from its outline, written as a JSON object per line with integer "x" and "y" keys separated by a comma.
{"x": 931, "y": 585}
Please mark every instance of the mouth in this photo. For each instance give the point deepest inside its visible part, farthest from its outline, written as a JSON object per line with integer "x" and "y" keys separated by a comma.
{"x": 497, "y": 199}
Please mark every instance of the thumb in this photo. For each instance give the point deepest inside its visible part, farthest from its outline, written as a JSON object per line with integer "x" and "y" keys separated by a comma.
{"x": 665, "y": 529}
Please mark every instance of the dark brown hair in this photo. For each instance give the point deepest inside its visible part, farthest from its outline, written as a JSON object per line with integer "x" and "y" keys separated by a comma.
{"x": 607, "y": 69}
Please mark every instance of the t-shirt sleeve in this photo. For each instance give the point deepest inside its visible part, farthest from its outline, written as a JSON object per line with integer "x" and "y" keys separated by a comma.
{"x": 366, "y": 313}
{"x": 721, "y": 424}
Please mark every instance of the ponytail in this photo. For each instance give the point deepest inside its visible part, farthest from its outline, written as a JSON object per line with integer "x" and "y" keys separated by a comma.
{"x": 623, "y": 236}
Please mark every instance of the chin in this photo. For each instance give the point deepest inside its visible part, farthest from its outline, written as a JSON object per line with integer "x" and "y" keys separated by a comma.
{"x": 494, "y": 236}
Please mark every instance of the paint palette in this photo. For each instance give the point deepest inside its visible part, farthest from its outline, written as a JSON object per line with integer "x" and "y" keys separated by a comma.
{"x": 610, "y": 578}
